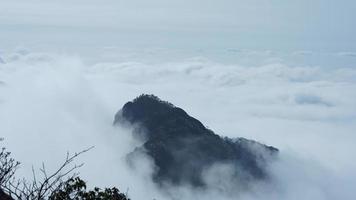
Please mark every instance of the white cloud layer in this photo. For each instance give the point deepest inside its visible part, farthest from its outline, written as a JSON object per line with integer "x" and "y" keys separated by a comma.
{"x": 52, "y": 103}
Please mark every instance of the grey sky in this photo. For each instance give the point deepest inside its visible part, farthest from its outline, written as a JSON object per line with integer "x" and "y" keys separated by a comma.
{"x": 280, "y": 24}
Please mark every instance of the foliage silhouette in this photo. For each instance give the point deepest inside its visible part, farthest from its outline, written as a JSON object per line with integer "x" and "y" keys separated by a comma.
{"x": 63, "y": 184}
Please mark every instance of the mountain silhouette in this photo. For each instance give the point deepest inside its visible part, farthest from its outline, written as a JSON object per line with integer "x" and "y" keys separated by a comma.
{"x": 182, "y": 148}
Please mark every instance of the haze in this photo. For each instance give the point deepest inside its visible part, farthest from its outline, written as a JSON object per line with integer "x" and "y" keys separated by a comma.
{"x": 279, "y": 72}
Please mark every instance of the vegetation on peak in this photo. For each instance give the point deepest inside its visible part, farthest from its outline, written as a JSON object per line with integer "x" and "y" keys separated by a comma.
{"x": 145, "y": 98}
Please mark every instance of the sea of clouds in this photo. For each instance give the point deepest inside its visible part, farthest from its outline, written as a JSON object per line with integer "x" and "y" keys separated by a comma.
{"x": 51, "y": 103}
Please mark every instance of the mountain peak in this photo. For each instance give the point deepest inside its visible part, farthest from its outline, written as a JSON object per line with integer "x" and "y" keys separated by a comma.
{"x": 182, "y": 147}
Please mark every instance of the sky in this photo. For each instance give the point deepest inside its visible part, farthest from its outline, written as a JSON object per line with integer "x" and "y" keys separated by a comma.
{"x": 279, "y": 72}
{"x": 322, "y": 25}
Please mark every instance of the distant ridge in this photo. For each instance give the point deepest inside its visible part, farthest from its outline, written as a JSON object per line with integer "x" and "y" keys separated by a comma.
{"x": 182, "y": 148}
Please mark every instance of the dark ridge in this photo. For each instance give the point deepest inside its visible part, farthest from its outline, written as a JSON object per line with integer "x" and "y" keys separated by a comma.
{"x": 182, "y": 148}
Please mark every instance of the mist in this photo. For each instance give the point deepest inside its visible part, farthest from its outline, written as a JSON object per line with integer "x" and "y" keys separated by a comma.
{"x": 255, "y": 24}
{"x": 280, "y": 73}
{"x": 51, "y": 104}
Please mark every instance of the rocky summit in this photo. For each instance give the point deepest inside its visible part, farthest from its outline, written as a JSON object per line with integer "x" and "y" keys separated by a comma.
{"x": 182, "y": 148}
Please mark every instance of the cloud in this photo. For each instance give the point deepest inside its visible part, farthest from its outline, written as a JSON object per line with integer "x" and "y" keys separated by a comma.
{"x": 303, "y": 53}
{"x": 305, "y": 99}
{"x": 53, "y": 103}
{"x": 347, "y": 54}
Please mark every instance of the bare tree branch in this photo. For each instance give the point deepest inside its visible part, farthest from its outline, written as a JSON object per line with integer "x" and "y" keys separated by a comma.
{"x": 36, "y": 189}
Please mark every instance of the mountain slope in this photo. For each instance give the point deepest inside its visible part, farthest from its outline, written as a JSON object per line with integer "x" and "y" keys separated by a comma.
{"x": 182, "y": 148}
